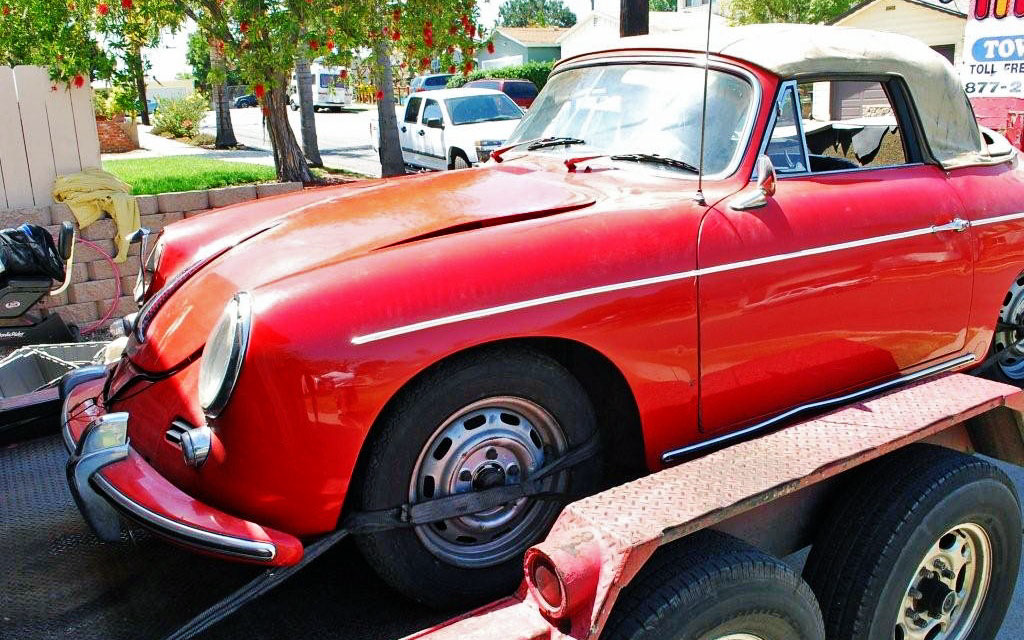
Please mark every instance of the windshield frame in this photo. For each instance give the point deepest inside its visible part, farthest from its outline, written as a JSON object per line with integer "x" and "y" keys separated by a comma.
{"x": 679, "y": 59}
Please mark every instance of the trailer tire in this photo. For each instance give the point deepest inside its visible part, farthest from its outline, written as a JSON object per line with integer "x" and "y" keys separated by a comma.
{"x": 710, "y": 586}
{"x": 900, "y": 530}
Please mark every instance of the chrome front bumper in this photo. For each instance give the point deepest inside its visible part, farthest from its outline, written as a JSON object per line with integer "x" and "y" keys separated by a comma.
{"x": 104, "y": 441}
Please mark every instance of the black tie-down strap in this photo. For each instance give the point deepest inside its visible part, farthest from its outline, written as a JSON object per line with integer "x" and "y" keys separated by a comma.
{"x": 462, "y": 504}
{"x": 406, "y": 515}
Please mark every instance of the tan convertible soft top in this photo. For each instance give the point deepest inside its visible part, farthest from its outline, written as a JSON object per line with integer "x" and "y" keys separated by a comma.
{"x": 800, "y": 50}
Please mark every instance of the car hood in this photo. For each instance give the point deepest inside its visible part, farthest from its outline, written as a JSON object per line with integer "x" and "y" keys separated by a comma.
{"x": 257, "y": 243}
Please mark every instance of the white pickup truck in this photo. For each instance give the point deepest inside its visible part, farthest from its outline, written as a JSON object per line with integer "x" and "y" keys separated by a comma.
{"x": 452, "y": 128}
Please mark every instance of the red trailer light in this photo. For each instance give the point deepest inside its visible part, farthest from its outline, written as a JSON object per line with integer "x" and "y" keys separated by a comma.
{"x": 542, "y": 578}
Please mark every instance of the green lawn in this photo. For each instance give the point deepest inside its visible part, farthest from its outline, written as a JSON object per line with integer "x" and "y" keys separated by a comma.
{"x": 185, "y": 173}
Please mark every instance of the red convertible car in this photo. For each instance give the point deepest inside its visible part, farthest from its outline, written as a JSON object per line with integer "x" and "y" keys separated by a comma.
{"x": 582, "y": 309}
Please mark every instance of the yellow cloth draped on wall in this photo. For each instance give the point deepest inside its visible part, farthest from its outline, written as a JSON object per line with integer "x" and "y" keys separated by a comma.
{"x": 92, "y": 193}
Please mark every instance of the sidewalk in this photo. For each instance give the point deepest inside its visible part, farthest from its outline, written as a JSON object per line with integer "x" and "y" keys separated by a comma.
{"x": 153, "y": 146}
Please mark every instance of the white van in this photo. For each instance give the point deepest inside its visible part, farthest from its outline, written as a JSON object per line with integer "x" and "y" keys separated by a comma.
{"x": 330, "y": 90}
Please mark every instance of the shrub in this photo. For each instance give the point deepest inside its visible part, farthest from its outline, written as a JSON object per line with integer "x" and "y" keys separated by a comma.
{"x": 535, "y": 72}
{"x": 180, "y": 117}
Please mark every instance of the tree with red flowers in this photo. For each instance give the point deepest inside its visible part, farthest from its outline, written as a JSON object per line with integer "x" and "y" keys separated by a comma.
{"x": 58, "y": 34}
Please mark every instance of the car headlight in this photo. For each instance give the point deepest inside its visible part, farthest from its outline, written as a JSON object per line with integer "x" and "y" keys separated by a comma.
{"x": 223, "y": 355}
{"x": 485, "y": 147}
{"x": 149, "y": 267}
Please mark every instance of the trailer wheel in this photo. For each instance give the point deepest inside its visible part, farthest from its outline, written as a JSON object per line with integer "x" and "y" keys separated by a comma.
{"x": 925, "y": 546}
{"x": 711, "y": 586}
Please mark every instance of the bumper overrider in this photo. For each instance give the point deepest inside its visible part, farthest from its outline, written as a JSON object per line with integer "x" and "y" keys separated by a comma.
{"x": 109, "y": 481}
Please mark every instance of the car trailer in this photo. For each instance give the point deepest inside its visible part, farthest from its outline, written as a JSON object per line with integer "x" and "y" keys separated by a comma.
{"x": 667, "y": 555}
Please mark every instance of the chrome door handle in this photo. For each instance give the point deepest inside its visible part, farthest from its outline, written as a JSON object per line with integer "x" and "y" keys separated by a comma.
{"x": 956, "y": 224}
{"x": 404, "y": 129}
{"x": 422, "y": 132}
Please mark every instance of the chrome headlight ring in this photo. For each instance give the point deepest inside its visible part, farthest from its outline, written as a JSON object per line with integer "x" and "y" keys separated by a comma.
{"x": 223, "y": 354}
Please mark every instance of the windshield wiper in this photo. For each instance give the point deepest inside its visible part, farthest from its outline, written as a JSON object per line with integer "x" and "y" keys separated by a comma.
{"x": 536, "y": 143}
{"x": 653, "y": 158}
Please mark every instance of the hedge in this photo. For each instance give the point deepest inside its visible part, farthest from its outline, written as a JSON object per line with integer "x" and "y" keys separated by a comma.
{"x": 535, "y": 72}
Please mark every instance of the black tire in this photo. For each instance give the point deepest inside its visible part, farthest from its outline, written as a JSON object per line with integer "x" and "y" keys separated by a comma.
{"x": 459, "y": 161}
{"x": 710, "y": 585}
{"x": 405, "y": 435}
{"x": 889, "y": 517}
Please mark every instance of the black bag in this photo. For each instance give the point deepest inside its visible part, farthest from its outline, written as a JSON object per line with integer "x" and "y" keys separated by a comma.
{"x": 29, "y": 250}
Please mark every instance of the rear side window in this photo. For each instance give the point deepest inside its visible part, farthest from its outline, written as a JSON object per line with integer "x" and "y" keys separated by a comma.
{"x": 521, "y": 90}
{"x": 412, "y": 109}
{"x": 325, "y": 80}
{"x": 484, "y": 84}
{"x": 431, "y": 110}
{"x": 436, "y": 81}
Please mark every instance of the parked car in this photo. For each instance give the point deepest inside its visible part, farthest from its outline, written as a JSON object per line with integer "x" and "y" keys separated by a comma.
{"x": 522, "y": 92}
{"x": 152, "y": 104}
{"x": 453, "y": 128}
{"x": 248, "y": 100}
{"x": 584, "y": 297}
{"x": 429, "y": 82}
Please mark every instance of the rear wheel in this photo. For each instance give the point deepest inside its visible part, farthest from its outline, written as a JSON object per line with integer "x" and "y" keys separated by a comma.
{"x": 925, "y": 546}
{"x": 1007, "y": 351}
{"x": 710, "y": 586}
{"x": 484, "y": 420}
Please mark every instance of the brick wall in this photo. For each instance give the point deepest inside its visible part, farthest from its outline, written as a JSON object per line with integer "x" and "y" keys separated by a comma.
{"x": 114, "y": 138}
{"x": 93, "y": 279}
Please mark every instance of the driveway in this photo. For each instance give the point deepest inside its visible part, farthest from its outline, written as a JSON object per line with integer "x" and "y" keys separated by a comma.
{"x": 343, "y": 138}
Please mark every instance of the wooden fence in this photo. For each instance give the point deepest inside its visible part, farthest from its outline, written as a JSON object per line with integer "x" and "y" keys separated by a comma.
{"x": 47, "y": 129}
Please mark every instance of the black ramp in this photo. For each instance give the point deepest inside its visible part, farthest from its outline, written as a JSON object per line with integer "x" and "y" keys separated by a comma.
{"x": 58, "y": 581}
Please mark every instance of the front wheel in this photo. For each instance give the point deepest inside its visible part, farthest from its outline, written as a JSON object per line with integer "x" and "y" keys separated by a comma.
{"x": 483, "y": 420}
{"x": 1005, "y": 362}
{"x": 710, "y": 586}
{"x": 459, "y": 161}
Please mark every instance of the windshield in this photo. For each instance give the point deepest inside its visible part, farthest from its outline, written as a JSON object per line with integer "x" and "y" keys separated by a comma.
{"x": 645, "y": 109}
{"x": 485, "y": 108}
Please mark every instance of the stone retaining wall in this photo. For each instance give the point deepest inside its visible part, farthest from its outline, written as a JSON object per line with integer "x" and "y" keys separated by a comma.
{"x": 94, "y": 281}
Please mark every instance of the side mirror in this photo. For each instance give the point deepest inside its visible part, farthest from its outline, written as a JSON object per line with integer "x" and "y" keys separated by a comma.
{"x": 764, "y": 189}
{"x": 434, "y": 123}
{"x": 65, "y": 240}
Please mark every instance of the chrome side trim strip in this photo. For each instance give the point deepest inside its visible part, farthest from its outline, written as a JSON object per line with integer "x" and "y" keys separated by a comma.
{"x": 1007, "y": 218}
{"x": 632, "y": 284}
{"x": 673, "y": 454}
{"x": 185, "y": 534}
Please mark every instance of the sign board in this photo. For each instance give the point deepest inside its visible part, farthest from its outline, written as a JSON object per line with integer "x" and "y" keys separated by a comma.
{"x": 993, "y": 54}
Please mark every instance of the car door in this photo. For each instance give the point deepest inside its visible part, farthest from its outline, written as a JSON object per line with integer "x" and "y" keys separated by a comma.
{"x": 430, "y": 140}
{"x": 849, "y": 275}
{"x": 407, "y": 130}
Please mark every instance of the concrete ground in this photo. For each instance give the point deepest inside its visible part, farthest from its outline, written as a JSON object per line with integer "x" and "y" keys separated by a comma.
{"x": 344, "y": 138}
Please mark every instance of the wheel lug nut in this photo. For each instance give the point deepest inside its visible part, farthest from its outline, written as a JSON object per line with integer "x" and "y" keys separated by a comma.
{"x": 492, "y": 453}
{"x": 909, "y": 612}
{"x": 465, "y": 475}
{"x": 915, "y": 593}
{"x": 947, "y": 574}
{"x": 920, "y": 623}
{"x": 512, "y": 470}
{"x": 939, "y": 564}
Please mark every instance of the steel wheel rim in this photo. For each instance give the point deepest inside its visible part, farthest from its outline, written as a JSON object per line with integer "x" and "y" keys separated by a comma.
{"x": 947, "y": 592}
{"x": 498, "y": 440}
{"x": 1009, "y": 343}
{"x": 739, "y": 636}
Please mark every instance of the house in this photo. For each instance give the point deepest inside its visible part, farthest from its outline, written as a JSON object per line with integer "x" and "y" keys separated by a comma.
{"x": 600, "y": 28}
{"x": 519, "y": 45}
{"x": 938, "y": 24}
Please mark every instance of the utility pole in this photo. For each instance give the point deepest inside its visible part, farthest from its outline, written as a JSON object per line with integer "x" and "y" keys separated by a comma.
{"x": 634, "y": 18}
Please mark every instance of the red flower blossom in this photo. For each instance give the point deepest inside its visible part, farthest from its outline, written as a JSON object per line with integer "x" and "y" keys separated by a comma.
{"x": 314, "y": 44}
{"x": 330, "y": 31}
{"x": 424, "y": 62}
{"x": 452, "y": 30}
{"x": 467, "y": 67}
{"x": 244, "y": 27}
{"x": 266, "y": 111}
{"x": 396, "y": 14}
{"x": 127, "y": 5}
{"x": 396, "y": 35}
{"x": 79, "y": 81}
{"x": 428, "y": 39}
{"x": 451, "y": 69}
{"x": 380, "y": 96}
{"x": 344, "y": 73}
{"x": 6, "y": 10}
{"x": 102, "y": 9}
{"x": 259, "y": 90}
{"x": 472, "y": 31}
{"x": 490, "y": 47}
{"x": 403, "y": 65}
{"x": 451, "y": 49}
{"x": 330, "y": 45}
{"x": 71, "y": 6}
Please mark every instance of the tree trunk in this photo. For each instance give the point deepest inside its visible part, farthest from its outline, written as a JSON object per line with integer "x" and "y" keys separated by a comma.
{"x": 391, "y": 162}
{"x": 225, "y": 130}
{"x": 135, "y": 60}
{"x": 303, "y": 81}
{"x": 634, "y": 18}
{"x": 288, "y": 159}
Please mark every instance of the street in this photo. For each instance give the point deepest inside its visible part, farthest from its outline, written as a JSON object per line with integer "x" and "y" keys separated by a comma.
{"x": 344, "y": 138}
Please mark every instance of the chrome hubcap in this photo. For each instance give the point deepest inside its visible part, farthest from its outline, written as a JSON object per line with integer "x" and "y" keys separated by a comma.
{"x": 948, "y": 590}
{"x": 739, "y": 636}
{"x": 491, "y": 443}
{"x": 1009, "y": 343}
